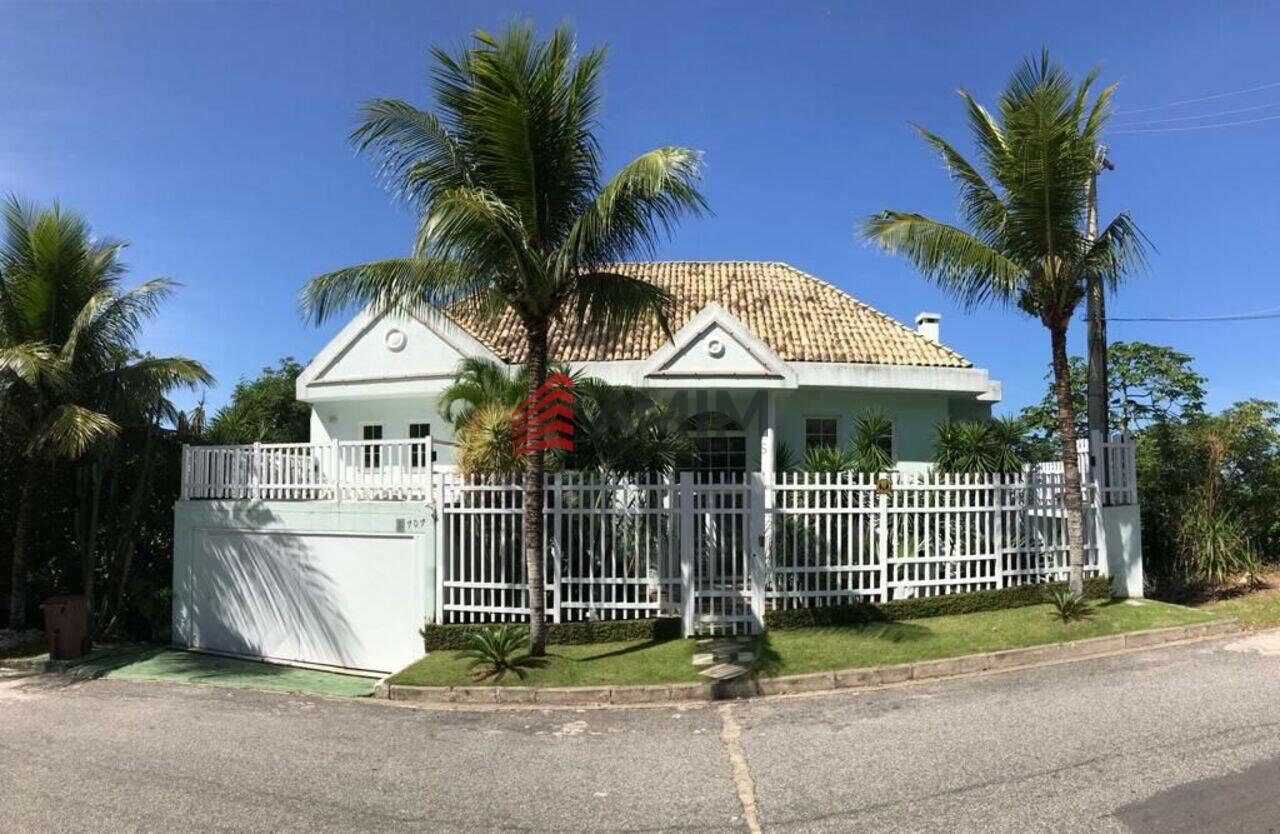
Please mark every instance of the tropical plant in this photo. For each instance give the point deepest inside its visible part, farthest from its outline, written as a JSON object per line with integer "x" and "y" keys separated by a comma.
{"x": 871, "y": 446}
{"x": 978, "y": 447}
{"x": 827, "y": 459}
{"x": 69, "y": 373}
{"x": 496, "y": 650}
{"x": 1027, "y": 242}
{"x": 623, "y": 431}
{"x": 265, "y": 409}
{"x": 513, "y": 214}
{"x": 487, "y": 442}
{"x": 1069, "y": 606}
{"x": 479, "y": 382}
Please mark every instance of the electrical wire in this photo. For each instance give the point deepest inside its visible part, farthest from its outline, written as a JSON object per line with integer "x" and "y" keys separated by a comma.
{"x": 1273, "y": 313}
{"x": 1196, "y": 127}
{"x": 1202, "y": 116}
{"x": 1213, "y": 97}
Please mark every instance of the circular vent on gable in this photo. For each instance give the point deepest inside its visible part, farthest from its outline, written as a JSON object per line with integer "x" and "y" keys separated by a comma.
{"x": 396, "y": 340}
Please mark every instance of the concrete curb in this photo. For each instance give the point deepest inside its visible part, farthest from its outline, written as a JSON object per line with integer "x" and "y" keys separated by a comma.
{"x": 815, "y": 682}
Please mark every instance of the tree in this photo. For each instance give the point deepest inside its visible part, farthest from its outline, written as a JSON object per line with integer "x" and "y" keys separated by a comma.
{"x": 505, "y": 175}
{"x": 69, "y": 373}
{"x": 264, "y": 410}
{"x": 1025, "y": 243}
{"x": 1149, "y": 384}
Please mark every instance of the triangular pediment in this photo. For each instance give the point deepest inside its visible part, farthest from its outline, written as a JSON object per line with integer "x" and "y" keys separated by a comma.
{"x": 717, "y": 348}
{"x": 384, "y": 347}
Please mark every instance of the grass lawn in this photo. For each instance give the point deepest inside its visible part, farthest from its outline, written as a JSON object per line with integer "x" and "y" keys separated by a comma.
{"x": 1256, "y": 610}
{"x": 817, "y": 649}
{"x": 598, "y": 664}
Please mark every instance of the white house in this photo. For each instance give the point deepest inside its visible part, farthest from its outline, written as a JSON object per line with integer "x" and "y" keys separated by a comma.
{"x": 337, "y": 550}
{"x": 782, "y": 354}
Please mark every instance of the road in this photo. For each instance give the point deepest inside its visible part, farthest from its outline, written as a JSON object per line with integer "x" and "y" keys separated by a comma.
{"x": 1183, "y": 738}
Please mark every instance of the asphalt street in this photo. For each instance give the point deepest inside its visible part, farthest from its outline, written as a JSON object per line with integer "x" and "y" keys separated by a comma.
{"x": 1184, "y": 738}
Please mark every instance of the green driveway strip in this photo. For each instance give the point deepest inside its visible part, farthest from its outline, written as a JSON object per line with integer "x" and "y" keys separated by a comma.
{"x": 161, "y": 664}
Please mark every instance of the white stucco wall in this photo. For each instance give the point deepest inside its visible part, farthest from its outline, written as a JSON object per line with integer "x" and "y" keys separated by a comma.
{"x": 346, "y": 585}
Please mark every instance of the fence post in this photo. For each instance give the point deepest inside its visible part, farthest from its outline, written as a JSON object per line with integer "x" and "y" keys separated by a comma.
{"x": 687, "y": 527}
{"x": 997, "y": 527}
{"x": 441, "y": 524}
{"x": 186, "y": 473}
{"x": 255, "y": 471}
{"x": 557, "y": 495}
{"x": 336, "y": 474}
{"x": 1097, "y": 501}
{"x": 882, "y": 545}
{"x": 759, "y": 537}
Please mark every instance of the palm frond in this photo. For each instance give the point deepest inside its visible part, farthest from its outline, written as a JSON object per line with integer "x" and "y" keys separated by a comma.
{"x": 393, "y": 285}
{"x": 69, "y": 431}
{"x": 960, "y": 263}
{"x": 614, "y": 302}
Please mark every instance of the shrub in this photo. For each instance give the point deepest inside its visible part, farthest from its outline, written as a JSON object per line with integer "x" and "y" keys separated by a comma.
{"x": 1019, "y": 596}
{"x": 496, "y": 650}
{"x": 437, "y": 638}
{"x": 1069, "y": 607}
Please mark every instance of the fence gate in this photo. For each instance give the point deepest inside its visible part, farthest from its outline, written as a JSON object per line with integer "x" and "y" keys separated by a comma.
{"x": 721, "y": 558}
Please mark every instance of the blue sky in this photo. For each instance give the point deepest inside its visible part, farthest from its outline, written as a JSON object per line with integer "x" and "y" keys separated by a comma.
{"x": 212, "y": 136}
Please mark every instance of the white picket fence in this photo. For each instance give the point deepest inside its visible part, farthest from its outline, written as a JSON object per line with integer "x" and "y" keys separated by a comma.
{"x": 719, "y": 551}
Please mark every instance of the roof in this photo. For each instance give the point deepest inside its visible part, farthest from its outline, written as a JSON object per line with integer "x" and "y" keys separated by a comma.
{"x": 800, "y": 317}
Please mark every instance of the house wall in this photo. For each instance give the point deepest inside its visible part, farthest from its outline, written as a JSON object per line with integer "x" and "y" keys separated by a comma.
{"x": 914, "y": 415}
{"x": 344, "y": 420}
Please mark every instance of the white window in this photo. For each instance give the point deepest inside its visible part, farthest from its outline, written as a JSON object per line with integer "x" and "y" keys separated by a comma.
{"x": 418, "y": 451}
{"x": 371, "y": 454}
{"x": 820, "y": 432}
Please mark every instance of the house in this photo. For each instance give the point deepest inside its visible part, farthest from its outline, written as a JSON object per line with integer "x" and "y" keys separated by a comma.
{"x": 335, "y": 551}
{"x": 762, "y": 356}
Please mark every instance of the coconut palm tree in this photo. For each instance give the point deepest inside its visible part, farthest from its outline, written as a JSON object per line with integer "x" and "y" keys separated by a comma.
{"x": 1023, "y": 241}
{"x": 505, "y": 174}
{"x": 67, "y": 358}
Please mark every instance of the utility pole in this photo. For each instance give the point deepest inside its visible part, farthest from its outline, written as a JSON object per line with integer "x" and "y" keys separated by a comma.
{"x": 1097, "y": 305}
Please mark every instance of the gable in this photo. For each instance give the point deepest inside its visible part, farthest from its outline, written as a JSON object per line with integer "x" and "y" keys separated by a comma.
{"x": 717, "y": 349}
{"x": 383, "y": 349}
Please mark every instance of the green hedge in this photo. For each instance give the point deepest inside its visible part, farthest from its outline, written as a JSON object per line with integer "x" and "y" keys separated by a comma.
{"x": 910, "y": 609}
{"x": 452, "y": 637}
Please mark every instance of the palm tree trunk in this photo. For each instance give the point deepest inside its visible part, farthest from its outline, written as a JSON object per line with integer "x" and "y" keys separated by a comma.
{"x": 535, "y": 463}
{"x": 1070, "y": 462}
{"x": 21, "y": 543}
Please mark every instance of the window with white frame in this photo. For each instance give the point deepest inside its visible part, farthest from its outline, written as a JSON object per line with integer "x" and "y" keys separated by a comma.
{"x": 371, "y": 455}
{"x": 820, "y": 432}
{"x": 418, "y": 451}
{"x": 719, "y": 442}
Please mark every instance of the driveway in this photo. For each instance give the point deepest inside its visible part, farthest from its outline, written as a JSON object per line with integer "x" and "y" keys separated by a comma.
{"x": 1185, "y": 738}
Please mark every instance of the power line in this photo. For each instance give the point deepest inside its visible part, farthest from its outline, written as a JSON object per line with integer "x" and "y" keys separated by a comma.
{"x": 1213, "y": 97}
{"x": 1196, "y": 127}
{"x": 1273, "y": 313}
{"x": 1202, "y": 116}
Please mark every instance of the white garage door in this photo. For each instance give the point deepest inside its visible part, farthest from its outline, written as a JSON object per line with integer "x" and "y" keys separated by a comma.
{"x": 341, "y": 599}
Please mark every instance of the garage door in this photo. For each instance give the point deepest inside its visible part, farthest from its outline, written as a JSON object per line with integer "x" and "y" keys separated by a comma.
{"x": 341, "y": 599}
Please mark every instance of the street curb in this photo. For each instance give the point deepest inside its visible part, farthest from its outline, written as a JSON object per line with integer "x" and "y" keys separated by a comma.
{"x": 863, "y": 678}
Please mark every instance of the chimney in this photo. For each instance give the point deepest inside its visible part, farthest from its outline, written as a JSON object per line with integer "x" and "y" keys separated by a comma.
{"x": 927, "y": 325}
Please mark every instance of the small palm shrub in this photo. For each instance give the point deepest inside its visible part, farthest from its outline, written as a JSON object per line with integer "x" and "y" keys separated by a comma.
{"x": 827, "y": 459}
{"x": 978, "y": 447}
{"x": 1069, "y": 607}
{"x": 496, "y": 650}
{"x": 1213, "y": 543}
{"x": 871, "y": 447}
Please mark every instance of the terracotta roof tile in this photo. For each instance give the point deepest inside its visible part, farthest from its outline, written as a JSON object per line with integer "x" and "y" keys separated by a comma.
{"x": 802, "y": 318}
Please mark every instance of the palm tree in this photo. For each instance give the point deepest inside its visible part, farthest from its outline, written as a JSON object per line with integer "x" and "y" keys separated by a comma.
{"x": 67, "y": 358}
{"x": 513, "y": 214}
{"x": 1025, "y": 243}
